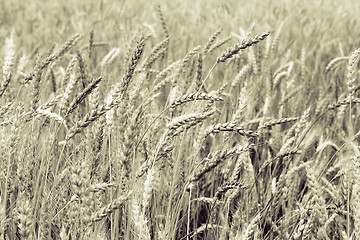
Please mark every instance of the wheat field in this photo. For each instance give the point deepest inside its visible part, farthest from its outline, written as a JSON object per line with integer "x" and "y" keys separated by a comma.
{"x": 178, "y": 120}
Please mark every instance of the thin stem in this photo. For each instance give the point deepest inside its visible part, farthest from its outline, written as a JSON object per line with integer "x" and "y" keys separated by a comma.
{"x": 189, "y": 212}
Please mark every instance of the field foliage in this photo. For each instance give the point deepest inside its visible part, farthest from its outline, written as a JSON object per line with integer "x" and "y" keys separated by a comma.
{"x": 179, "y": 119}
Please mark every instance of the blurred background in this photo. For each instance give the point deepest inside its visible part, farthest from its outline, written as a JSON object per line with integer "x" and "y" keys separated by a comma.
{"x": 310, "y": 23}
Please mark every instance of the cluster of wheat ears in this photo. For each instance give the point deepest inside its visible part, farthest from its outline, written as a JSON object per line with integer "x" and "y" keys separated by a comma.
{"x": 229, "y": 142}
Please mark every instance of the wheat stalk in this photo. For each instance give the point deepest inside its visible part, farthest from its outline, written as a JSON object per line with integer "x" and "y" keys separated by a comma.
{"x": 157, "y": 51}
{"x": 334, "y": 63}
{"x": 59, "y": 53}
{"x": 351, "y": 75}
{"x": 230, "y": 52}
{"x": 180, "y": 124}
{"x": 163, "y": 22}
{"x": 193, "y": 97}
{"x": 121, "y": 87}
{"x": 211, "y": 40}
{"x": 228, "y": 127}
{"x": 219, "y": 43}
{"x": 8, "y": 63}
{"x": 81, "y": 96}
{"x": 25, "y": 220}
{"x": 110, "y": 208}
{"x": 214, "y": 159}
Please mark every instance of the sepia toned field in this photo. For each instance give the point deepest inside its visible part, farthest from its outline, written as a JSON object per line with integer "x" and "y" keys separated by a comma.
{"x": 177, "y": 120}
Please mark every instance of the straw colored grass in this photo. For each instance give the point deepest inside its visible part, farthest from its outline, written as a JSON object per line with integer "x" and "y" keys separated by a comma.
{"x": 180, "y": 120}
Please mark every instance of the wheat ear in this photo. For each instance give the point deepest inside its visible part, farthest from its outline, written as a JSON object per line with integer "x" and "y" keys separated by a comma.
{"x": 231, "y": 51}
{"x": 8, "y": 63}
